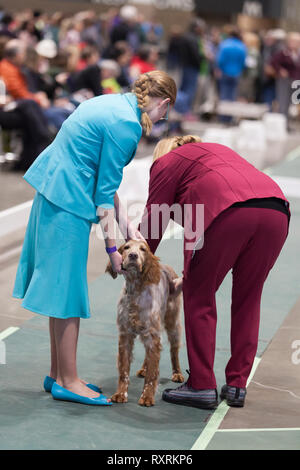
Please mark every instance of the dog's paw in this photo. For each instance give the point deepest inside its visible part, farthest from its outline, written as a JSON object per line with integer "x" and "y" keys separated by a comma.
{"x": 146, "y": 400}
{"x": 141, "y": 373}
{"x": 177, "y": 377}
{"x": 120, "y": 397}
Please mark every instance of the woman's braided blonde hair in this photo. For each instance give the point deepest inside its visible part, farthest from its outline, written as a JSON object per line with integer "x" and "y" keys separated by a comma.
{"x": 166, "y": 145}
{"x": 156, "y": 84}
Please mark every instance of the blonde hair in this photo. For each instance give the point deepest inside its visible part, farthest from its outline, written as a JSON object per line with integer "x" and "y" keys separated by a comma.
{"x": 166, "y": 145}
{"x": 156, "y": 84}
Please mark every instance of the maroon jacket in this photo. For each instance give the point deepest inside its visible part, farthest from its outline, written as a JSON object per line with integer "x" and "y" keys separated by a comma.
{"x": 284, "y": 60}
{"x": 199, "y": 173}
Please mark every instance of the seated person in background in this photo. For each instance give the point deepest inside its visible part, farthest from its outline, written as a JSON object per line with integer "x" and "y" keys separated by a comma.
{"x": 11, "y": 71}
{"x": 121, "y": 52}
{"x": 145, "y": 61}
{"x": 36, "y": 72}
{"x": 110, "y": 71}
{"x": 129, "y": 28}
{"x": 88, "y": 78}
{"x": 5, "y": 31}
{"x": 26, "y": 116}
{"x": 89, "y": 55}
{"x": 40, "y": 77}
{"x": 14, "y": 57}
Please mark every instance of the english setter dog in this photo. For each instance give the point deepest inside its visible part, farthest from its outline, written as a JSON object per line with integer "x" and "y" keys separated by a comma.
{"x": 146, "y": 305}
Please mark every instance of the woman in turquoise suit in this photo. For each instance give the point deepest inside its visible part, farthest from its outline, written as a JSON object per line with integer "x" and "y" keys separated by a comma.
{"x": 76, "y": 180}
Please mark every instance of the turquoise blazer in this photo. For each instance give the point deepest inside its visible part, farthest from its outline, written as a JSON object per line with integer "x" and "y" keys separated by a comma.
{"x": 83, "y": 167}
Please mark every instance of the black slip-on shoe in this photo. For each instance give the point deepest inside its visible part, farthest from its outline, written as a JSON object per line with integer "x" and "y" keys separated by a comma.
{"x": 185, "y": 395}
{"x": 234, "y": 396}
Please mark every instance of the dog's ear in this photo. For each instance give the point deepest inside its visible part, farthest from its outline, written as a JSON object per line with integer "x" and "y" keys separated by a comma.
{"x": 121, "y": 249}
{"x": 109, "y": 268}
{"x": 151, "y": 269}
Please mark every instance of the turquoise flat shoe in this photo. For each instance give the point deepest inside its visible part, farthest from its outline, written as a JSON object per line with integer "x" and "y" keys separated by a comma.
{"x": 60, "y": 393}
{"x": 49, "y": 381}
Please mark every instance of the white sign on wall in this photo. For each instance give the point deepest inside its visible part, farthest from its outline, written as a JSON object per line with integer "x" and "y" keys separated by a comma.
{"x": 254, "y": 9}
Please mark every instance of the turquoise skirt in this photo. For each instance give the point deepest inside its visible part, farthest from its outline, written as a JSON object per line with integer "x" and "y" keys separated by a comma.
{"x": 52, "y": 272}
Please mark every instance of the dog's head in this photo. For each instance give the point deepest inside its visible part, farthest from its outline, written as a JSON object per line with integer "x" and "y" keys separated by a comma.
{"x": 138, "y": 261}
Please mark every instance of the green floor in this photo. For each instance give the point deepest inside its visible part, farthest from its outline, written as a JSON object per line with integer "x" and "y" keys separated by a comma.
{"x": 31, "y": 419}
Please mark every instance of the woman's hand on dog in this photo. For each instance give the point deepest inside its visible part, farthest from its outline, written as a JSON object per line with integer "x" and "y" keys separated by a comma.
{"x": 133, "y": 233}
{"x": 116, "y": 262}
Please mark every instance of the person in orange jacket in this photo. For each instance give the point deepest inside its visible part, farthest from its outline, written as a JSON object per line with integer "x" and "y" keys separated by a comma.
{"x": 16, "y": 86}
{"x": 10, "y": 70}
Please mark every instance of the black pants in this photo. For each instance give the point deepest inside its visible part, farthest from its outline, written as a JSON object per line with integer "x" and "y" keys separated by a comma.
{"x": 27, "y": 117}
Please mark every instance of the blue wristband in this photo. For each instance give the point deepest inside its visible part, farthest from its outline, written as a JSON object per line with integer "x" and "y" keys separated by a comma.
{"x": 111, "y": 249}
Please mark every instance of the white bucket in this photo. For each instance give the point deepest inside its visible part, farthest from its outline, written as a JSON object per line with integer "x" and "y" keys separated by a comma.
{"x": 275, "y": 126}
{"x": 251, "y": 135}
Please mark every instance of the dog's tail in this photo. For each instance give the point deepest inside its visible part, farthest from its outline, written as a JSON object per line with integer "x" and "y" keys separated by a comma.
{"x": 171, "y": 274}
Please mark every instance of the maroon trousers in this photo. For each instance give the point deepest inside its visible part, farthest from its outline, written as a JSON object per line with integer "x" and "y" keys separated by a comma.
{"x": 247, "y": 240}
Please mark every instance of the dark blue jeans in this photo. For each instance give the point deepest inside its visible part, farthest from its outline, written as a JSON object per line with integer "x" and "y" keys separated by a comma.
{"x": 268, "y": 94}
{"x": 56, "y": 116}
{"x": 228, "y": 88}
{"x": 187, "y": 90}
{"x": 228, "y": 91}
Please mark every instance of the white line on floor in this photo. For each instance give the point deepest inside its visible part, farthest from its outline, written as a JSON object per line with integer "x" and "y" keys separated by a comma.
{"x": 211, "y": 427}
{"x": 217, "y": 417}
{"x": 258, "y": 429}
{"x": 9, "y": 331}
{"x": 14, "y": 218}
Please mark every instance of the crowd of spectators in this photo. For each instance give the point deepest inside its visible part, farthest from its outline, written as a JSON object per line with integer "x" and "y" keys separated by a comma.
{"x": 50, "y": 63}
{"x": 226, "y": 64}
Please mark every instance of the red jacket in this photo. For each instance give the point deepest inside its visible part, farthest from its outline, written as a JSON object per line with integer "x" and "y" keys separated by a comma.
{"x": 285, "y": 60}
{"x": 200, "y": 173}
{"x": 142, "y": 65}
{"x": 15, "y": 81}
